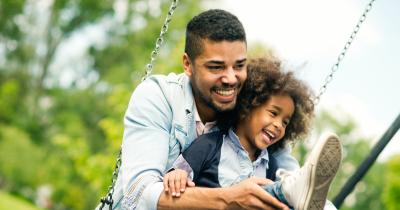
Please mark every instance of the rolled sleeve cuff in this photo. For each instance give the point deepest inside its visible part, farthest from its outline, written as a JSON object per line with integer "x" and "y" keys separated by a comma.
{"x": 144, "y": 195}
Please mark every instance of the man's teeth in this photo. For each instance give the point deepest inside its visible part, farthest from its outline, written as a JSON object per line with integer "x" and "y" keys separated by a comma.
{"x": 225, "y": 92}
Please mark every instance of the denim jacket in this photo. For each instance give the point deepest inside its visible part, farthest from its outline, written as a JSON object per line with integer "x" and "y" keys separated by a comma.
{"x": 159, "y": 125}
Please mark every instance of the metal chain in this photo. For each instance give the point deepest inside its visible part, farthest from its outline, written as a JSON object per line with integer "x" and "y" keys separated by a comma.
{"x": 108, "y": 199}
{"x": 160, "y": 39}
{"x": 335, "y": 67}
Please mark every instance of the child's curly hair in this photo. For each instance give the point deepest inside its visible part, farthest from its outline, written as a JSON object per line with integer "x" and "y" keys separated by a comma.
{"x": 266, "y": 78}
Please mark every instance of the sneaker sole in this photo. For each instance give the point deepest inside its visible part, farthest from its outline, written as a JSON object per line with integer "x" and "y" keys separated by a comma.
{"x": 325, "y": 166}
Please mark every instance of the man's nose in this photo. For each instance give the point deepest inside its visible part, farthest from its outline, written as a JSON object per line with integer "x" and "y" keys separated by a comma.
{"x": 229, "y": 76}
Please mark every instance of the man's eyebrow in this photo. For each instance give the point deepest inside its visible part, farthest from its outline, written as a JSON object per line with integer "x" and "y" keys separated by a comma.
{"x": 215, "y": 62}
{"x": 242, "y": 60}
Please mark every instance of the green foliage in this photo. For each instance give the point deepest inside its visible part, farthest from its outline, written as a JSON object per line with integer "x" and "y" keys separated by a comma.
{"x": 8, "y": 201}
{"x": 391, "y": 193}
{"x": 67, "y": 136}
{"x": 20, "y": 160}
{"x": 121, "y": 64}
{"x": 8, "y": 9}
{"x": 9, "y": 95}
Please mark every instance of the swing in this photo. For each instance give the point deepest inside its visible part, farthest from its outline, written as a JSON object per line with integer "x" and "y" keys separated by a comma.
{"x": 108, "y": 199}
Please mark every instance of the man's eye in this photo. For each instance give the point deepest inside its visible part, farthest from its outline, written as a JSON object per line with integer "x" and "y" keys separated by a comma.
{"x": 239, "y": 66}
{"x": 215, "y": 67}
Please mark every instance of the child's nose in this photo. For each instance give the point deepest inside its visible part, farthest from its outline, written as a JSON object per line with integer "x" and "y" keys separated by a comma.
{"x": 278, "y": 124}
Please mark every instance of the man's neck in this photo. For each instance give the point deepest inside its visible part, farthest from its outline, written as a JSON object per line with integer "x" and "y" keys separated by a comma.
{"x": 206, "y": 113}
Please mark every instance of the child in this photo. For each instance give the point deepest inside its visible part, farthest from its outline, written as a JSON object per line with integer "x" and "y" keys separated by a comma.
{"x": 273, "y": 109}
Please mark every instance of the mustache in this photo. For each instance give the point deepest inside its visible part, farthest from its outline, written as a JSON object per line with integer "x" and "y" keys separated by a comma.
{"x": 227, "y": 87}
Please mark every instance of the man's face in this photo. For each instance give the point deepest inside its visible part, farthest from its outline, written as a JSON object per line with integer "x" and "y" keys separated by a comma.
{"x": 217, "y": 75}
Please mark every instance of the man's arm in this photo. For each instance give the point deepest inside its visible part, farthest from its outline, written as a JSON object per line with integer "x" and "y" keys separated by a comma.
{"x": 285, "y": 160}
{"x": 145, "y": 146}
{"x": 245, "y": 195}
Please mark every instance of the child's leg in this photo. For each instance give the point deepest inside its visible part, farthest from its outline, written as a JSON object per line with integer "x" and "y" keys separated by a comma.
{"x": 307, "y": 187}
{"x": 275, "y": 190}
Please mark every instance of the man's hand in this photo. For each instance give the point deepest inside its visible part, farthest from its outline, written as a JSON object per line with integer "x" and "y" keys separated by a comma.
{"x": 246, "y": 195}
{"x": 249, "y": 195}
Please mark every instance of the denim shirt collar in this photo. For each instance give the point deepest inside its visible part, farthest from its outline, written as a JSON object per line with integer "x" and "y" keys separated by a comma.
{"x": 236, "y": 142}
{"x": 189, "y": 98}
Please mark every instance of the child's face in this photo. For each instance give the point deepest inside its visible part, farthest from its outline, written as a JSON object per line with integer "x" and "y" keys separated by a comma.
{"x": 267, "y": 123}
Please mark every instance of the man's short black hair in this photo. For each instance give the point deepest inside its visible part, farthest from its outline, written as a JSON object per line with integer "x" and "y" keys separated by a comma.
{"x": 215, "y": 25}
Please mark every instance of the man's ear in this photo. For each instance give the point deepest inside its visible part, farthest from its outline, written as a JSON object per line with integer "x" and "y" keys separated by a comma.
{"x": 187, "y": 65}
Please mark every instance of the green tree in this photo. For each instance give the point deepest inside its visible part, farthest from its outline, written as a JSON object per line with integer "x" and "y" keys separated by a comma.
{"x": 66, "y": 133}
{"x": 391, "y": 182}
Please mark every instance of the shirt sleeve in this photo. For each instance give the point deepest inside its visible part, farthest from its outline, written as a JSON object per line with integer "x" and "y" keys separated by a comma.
{"x": 181, "y": 163}
{"x": 203, "y": 156}
{"x": 285, "y": 160}
{"x": 145, "y": 146}
{"x": 196, "y": 156}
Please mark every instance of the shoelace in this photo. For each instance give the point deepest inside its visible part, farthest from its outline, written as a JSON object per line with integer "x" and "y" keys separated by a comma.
{"x": 289, "y": 177}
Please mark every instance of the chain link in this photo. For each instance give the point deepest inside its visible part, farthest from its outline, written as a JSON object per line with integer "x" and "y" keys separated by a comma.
{"x": 160, "y": 39}
{"x": 108, "y": 199}
{"x": 335, "y": 66}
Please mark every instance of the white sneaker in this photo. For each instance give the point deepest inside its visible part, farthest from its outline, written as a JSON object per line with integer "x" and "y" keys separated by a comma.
{"x": 307, "y": 187}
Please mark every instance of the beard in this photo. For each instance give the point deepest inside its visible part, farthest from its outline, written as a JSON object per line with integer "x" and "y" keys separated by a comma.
{"x": 217, "y": 107}
{"x": 220, "y": 107}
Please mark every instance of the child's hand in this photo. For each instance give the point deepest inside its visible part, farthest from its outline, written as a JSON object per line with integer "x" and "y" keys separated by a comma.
{"x": 175, "y": 182}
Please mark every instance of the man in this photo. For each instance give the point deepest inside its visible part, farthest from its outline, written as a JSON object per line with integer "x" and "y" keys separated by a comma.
{"x": 166, "y": 113}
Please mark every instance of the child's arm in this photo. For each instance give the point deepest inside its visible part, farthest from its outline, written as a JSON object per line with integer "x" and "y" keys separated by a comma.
{"x": 176, "y": 181}
{"x": 188, "y": 166}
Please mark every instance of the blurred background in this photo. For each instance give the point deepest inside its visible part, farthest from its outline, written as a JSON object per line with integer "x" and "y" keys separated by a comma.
{"x": 67, "y": 69}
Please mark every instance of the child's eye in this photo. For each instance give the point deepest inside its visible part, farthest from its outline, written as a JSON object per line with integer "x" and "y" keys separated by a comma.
{"x": 273, "y": 113}
{"x": 286, "y": 122}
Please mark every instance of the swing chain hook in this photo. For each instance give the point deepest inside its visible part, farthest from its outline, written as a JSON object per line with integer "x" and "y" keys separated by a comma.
{"x": 160, "y": 39}
{"x": 335, "y": 66}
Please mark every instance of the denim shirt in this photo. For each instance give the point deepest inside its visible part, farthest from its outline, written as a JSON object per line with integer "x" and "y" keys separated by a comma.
{"x": 235, "y": 164}
{"x": 159, "y": 124}
{"x": 220, "y": 160}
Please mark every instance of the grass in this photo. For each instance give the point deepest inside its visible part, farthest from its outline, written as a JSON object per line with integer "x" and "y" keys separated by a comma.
{"x": 10, "y": 202}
